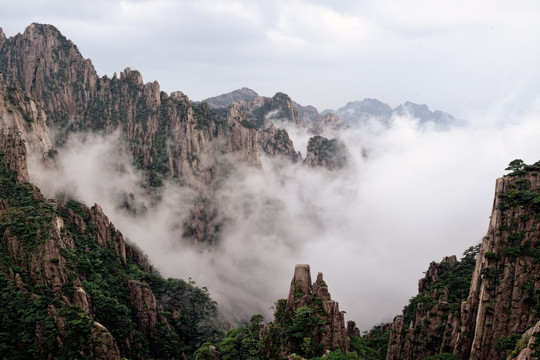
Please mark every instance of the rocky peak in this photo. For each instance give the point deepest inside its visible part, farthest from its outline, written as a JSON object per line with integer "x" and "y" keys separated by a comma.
{"x": 301, "y": 287}
{"x": 432, "y": 274}
{"x": 276, "y": 142}
{"x": 424, "y": 114}
{"x": 132, "y": 75}
{"x": 314, "y": 300}
{"x": 2, "y": 38}
{"x": 503, "y": 297}
{"x": 329, "y": 153}
{"x": 356, "y": 113}
{"x": 43, "y": 63}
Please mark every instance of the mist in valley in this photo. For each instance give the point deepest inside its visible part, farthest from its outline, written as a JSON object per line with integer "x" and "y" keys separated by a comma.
{"x": 410, "y": 194}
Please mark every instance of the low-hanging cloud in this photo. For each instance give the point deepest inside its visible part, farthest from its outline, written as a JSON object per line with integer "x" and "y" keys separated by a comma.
{"x": 409, "y": 195}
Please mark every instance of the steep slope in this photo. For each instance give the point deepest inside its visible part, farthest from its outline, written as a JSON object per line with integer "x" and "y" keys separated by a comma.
{"x": 22, "y": 113}
{"x": 73, "y": 288}
{"x": 504, "y": 299}
{"x": 431, "y": 317}
{"x": 501, "y": 304}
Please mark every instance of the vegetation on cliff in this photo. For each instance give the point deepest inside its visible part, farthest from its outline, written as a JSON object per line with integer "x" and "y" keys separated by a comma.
{"x": 307, "y": 325}
{"x": 68, "y": 281}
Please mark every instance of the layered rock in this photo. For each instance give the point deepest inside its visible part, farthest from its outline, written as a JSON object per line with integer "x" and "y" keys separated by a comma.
{"x": 27, "y": 116}
{"x": 431, "y": 317}
{"x": 503, "y": 297}
{"x": 528, "y": 346}
{"x": 276, "y": 142}
{"x": 502, "y": 301}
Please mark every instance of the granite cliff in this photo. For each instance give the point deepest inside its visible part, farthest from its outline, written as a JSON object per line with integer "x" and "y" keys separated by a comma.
{"x": 494, "y": 318}
{"x": 72, "y": 287}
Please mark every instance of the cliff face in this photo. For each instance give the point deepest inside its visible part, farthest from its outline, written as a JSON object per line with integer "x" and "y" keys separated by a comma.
{"x": 73, "y": 288}
{"x": 504, "y": 298}
{"x": 502, "y": 301}
{"x": 20, "y": 112}
{"x": 168, "y": 135}
{"x": 432, "y": 316}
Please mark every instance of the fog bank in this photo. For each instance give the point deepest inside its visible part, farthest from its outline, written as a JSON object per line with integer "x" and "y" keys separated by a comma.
{"x": 409, "y": 195}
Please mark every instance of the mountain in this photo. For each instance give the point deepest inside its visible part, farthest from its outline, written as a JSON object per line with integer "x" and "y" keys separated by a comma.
{"x": 225, "y": 100}
{"x": 72, "y": 287}
{"x": 493, "y": 316}
{"x": 422, "y": 113}
{"x": 357, "y": 113}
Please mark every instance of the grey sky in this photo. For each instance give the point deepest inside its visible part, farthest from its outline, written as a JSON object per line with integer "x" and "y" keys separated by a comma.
{"x": 456, "y": 56}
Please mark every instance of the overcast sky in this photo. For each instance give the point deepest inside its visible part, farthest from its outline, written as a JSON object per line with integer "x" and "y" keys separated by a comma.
{"x": 456, "y": 56}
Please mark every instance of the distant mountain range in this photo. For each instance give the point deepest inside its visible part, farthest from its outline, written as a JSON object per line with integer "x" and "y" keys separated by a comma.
{"x": 354, "y": 114}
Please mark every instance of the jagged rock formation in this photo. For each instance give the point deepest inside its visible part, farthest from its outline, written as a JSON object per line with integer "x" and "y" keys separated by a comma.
{"x": 504, "y": 298}
{"x": 328, "y": 153}
{"x": 502, "y": 301}
{"x": 429, "y": 320}
{"x": 263, "y": 110}
{"x": 168, "y": 135}
{"x": 307, "y": 300}
{"x": 73, "y": 288}
{"x": 276, "y": 142}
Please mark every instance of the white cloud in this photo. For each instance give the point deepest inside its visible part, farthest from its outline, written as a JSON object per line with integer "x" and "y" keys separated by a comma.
{"x": 372, "y": 229}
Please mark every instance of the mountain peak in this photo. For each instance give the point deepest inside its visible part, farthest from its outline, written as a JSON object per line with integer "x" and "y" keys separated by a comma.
{"x": 227, "y": 99}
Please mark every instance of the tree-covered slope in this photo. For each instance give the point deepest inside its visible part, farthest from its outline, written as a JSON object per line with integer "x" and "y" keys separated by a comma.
{"x": 73, "y": 288}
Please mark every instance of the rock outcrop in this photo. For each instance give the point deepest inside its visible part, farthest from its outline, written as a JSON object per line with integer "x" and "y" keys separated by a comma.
{"x": 276, "y": 142}
{"x": 311, "y": 304}
{"x": 329, "y": 153}
{"x": 20, "y": 112}
{"x": 503, "y": 298}
{"x": 502, "y": 301}
{"x": 528, "y": 346}
{"x": 431, "y": 317}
